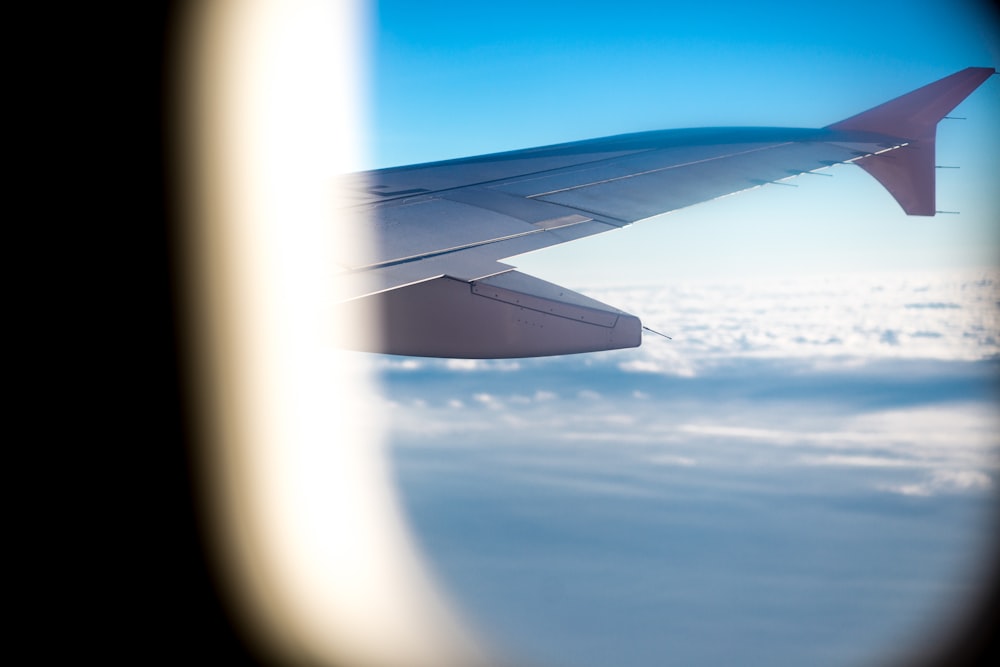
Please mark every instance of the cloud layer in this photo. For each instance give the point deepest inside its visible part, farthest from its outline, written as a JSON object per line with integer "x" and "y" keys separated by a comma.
{"x": 895, "y": 373}
{"x": 812, "y": 465}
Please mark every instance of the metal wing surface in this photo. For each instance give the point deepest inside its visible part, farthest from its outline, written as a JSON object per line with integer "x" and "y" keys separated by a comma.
{"x": 440, "y": 229}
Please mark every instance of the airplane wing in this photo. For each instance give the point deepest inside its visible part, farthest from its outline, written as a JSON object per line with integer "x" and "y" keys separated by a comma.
{"x": 433, "y": 272}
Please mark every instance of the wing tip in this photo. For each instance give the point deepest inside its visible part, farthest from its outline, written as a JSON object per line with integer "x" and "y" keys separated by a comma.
{"x": 915, "y": 115}
{"x": 908, "y": 173}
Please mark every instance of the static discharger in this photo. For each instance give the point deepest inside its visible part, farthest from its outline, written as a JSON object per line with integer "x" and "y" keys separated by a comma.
{"x": 645, "y": 328}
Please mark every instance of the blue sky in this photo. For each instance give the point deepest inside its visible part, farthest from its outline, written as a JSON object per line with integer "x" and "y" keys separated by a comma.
{"x": 804, "y": 474}
{"x": 453, "y": 79}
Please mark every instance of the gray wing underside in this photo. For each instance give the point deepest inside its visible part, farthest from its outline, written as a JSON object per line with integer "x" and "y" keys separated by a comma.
{"x": 438, "y": 231}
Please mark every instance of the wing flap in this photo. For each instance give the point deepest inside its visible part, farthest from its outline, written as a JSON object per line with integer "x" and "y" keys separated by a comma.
{"x": 434, "y": 226}
{"x": 539, "y": 213}
{"x": 509, "y": 316}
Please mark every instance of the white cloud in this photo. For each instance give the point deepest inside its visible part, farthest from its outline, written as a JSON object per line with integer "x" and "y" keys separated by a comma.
{"x": 470, "y": 365}
{"x": 946, "y": 316}
{"x": 768, "y": 435}
{"x": 927, "y": 436}
{"x": 861, "y": 461}
{"x": 945, "y": 481}
{"x": 909, "y": 489}
{"x": 488, "y": 400}
{"x": 617, "y": 437}
{"x": 391, "y": 363}
{"x": 506, "y": 365}
{"x": 464, "y": 364}
{"x": 671, "y": 460}
{"x": 961, "y": 479}
{"x": 587, "y": 485}
{"x": 755, "y": 335}
{"x": 619, "y": 419}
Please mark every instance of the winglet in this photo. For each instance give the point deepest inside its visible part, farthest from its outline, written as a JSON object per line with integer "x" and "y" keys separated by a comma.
{"x": 908, "y": 173}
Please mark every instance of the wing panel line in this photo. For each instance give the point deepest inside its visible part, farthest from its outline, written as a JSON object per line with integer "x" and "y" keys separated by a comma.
{"x": 659, "y": 169}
